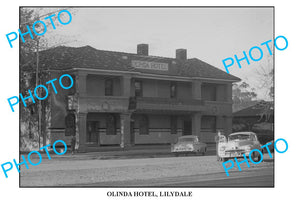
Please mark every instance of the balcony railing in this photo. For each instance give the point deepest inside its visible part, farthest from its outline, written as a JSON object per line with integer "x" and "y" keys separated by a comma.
{"x": 99, "y": 103}
{"x": 218, "y": 107}
{"x": 123, "y": 104}
{"x": 157, "y": 103}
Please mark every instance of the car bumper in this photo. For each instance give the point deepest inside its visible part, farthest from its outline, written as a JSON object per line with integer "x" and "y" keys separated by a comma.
{"x": 182, "y": 149}
{"x": 232, "y": 153}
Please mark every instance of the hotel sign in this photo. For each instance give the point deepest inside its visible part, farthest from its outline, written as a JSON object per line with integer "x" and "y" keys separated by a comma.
{"x": 150, "y": 65}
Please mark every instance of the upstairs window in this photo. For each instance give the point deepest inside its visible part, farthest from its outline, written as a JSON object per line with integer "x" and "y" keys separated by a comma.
{"x": 66, "y": 82}
{"x": 109, "y": 87}
{"x": 209, "y": 92}
{"x": 173, "y": 90}
{"x": 138, "y": 86}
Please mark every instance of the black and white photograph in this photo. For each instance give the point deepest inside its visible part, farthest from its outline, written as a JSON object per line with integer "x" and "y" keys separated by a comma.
{"x": 149, "y": 106}
{"x": 146, "y": 96}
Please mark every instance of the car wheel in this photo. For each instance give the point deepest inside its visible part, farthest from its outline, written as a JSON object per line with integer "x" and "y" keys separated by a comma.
{"x": 224, "y": 159}
{"x": 259, "y": 158}
{"x": 255, "y": 158}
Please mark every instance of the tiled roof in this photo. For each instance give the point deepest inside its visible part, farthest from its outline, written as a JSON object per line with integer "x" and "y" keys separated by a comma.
{"x": 258, "y": 109}
{"x": 63, "y": 58}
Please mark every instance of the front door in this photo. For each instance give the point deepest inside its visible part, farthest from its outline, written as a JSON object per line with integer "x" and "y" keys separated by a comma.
{"x": 92, "y": 132}
{"x": 132, "y": 132}
{"x": 187, "y": 127}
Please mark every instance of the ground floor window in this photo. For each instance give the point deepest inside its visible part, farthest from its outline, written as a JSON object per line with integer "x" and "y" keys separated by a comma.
{"x": 173, "y": 121}
{"x": 144, "y": 125}
{"x": 30, "y": 130}
{"x": 208, "y": 123}
{"x": 187, "y": 127}
{"x": 111, "y": 127}
{"x": 70, "y": 124}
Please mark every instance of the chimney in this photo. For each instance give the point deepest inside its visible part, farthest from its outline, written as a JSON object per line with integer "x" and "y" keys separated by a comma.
{"x": 142, "y": 49}
{"x": 181, "y": 54}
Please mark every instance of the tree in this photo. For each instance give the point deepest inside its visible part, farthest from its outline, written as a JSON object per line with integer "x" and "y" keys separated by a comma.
{"x": 243, "y": 96}
{"x": 35, "y": 117}
{"x": 28, "y": 80}
{"x": 266, "y": 77}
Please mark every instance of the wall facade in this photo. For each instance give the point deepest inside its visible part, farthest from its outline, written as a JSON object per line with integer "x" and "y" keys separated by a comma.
{"x": 200, "y": 107}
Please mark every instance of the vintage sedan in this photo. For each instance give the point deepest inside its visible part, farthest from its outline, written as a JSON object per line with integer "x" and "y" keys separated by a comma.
{"x": 240, "y": 143}
{"x": 189, "y": 143}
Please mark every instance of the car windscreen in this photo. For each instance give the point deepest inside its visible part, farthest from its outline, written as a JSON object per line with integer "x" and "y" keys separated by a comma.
{"x": 239, "y": 137}
{"x": 187, "y": 139}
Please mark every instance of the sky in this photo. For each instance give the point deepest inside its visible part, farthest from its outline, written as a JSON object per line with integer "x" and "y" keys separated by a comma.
{"x": 210, "y": 34}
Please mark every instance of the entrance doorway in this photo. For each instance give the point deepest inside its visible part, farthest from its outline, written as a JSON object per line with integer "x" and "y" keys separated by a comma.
{"x": 92, "y": 135}
{"x": 187, "y": 127}
{"x": 132, "y": 138}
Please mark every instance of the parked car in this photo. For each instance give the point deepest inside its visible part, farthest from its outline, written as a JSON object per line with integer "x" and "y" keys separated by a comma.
{"x": 240, "y": 143}
{"x": 189, "y": 143}
{"x": 271, "y": 147}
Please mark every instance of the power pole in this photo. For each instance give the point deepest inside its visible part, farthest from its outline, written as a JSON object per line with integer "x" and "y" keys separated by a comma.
{"x": 39, "y": 101}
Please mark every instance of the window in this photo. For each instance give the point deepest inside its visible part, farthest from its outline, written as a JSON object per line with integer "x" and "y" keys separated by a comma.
{"x": 138, "y": 88}
{"x": 111, "y": 128}
{"x": 70, "y": 124}
{"x": 66, "y": 82}
{"x": 188, "y": 139}
{"x": 173, "y": 124}
{"x": 209, "y": 92}
{"x": 187, "y": 127}
{"x": 208, "y": 123}
{"x": 144, "y": 125}
{"x": 92, "y": 132}
{"x": 30, "y": 134}
{"x": 173, "y": 90}
{"x": 240, "y": 137}
{"x": 109, "y": 87}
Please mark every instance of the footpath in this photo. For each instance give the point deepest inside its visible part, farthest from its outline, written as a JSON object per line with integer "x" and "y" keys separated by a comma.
{"x": 137, "y": 151}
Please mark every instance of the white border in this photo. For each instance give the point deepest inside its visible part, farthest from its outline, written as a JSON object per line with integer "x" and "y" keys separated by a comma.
{"x": 284, "y": 198}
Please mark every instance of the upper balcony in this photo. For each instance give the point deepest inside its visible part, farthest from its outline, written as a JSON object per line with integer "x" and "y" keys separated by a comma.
{"x": 165, "y": 104}
{"x": 123, "y": 104}
{"x": 217, "y": 108}
{"x": 122, "y": 93}
{"x": 98, "y": 103}
{"x": 146, "y": 104}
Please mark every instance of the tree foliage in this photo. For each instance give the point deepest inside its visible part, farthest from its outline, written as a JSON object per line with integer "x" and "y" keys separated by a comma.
{"x": 243, "y": 96}
{"x": 29, "y": 54}
{"x": 265, "y": 74}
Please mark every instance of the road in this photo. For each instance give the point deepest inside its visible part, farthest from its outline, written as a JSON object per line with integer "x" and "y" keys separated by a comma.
{"x": 254, "y": 178}
{"x": 187, "y": 171}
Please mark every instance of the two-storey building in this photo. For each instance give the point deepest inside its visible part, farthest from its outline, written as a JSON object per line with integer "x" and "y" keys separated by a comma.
{"x": 126, "y": 99}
